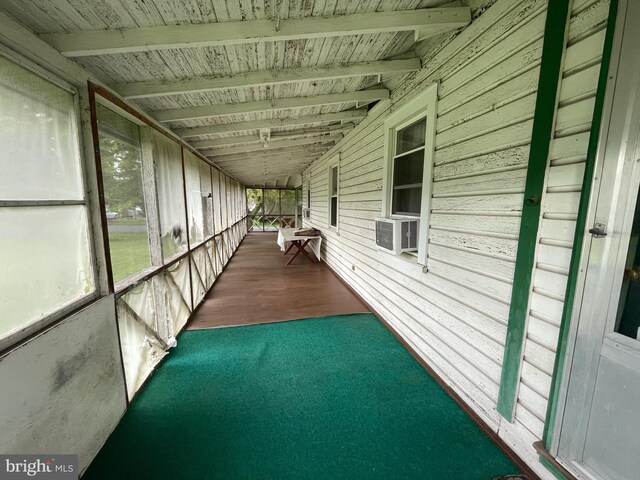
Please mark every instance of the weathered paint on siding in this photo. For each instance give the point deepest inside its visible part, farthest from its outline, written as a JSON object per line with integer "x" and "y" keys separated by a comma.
{"x": 560, "y": 206}
{"x": 555, "y": 38}
{"x": 455, "y": 314}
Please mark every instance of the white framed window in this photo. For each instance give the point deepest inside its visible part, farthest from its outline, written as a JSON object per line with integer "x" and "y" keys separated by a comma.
{"x": 306, "y": 209}
{"x": 408, "y": 164}
{"x": 334, "y": 186}
{"x": 46, "y": 244}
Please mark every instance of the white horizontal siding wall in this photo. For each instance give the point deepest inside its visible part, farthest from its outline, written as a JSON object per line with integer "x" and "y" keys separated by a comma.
{"x": 560, "y": 206}
{"x": 455, "y": 313}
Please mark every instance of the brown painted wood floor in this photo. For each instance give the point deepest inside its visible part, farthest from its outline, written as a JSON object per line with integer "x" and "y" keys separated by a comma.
{"x": 257, "y": 287}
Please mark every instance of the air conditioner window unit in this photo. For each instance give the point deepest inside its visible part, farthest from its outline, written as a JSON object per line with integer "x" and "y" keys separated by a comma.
{"x": 306, "y": 212}
{"x": 397, "y": 235}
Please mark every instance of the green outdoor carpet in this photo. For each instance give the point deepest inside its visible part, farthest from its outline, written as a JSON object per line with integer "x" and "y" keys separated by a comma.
{"x": 326, "y": 398}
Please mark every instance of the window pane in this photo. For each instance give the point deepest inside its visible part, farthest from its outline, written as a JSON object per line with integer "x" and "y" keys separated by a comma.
{"x": 628, "y": 317}
{"x": 39, "y": 153}
{"x": 407, "y": 201}
{"x": 334, "y": 211}
{"x": 334, "y": 180}
{"x": 195, "y": 199}
{"x": 411, "y": 136}
{"x": 288, "y": 202}
{"x": 407, "y": 170}
{"x": 173, "y": 222}
{"x": 272, "y": 202}
{"x": 123, "y": 192}
{"x": 44, "y": 253}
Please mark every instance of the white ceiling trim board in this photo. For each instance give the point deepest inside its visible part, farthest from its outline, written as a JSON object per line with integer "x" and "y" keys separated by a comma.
{"x": 427, "y": 21}
{"x": 360, "y": 97}
{"x": 266, "y": 77}
{"x": 274, "y": 137}
{"x": 345, "y": 115}
{"x": 271, "y": 146}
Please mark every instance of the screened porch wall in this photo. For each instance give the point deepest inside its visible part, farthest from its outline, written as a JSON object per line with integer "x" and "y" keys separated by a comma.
{"x": 67, "y": 385}
{"x": 177, "y": 222}
{"x": 270, "y": 209}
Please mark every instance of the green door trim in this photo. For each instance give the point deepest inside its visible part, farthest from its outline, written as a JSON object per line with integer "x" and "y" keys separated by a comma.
{"x": 549, "y": 466}
{"x": 555, "y": 32}
{"x": 583, "y": 207}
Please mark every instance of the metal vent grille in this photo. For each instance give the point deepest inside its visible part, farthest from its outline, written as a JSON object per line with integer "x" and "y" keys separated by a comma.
{"x": 384, "y": 235}
{"x": 409, "y": 235}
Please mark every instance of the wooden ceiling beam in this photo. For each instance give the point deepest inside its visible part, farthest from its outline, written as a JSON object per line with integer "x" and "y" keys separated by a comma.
{"x": 257, "y": 162}
{"x": 426, "y": 21}
{"x": 294, "y": 170}
{"x": 359, "y": 97}
{"x": 292, "y": 151}
{"x": 274, "y": 162}
{"x": 257, "y": 179}
{"x": 270, "y": 156}
{"x": 260, "y": 78}
{"x": 345, "y": 115}
{"x": 273, "y": 151}
{"x": 259, "y": 147}
{"x": 275, "y": 137}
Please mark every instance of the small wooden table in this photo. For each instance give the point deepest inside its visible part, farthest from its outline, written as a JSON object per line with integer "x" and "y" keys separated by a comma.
{"x": 287, "y": 235}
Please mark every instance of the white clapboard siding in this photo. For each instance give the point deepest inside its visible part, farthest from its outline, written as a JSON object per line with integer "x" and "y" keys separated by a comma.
{"x": 560, "y": 201}
{"x": 454, "y": 313}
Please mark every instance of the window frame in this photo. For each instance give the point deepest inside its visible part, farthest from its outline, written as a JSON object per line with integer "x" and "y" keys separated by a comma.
{"x": 334, "y": 163}
{"x": 148, "y": 175}
{"x": 28, "y": 329}
{"x": 307, "y": 217}
{"x": 423, "y": 105}
{"x": 395, "y": 156}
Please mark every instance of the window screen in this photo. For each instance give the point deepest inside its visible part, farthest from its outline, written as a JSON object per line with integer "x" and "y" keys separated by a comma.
{"x": 121, "y": 158}
{"x": 173, "y": 220}
{"x": 207, "y": 198}
{"x": 195, "y": 204}
{"x": 217, "y": 208}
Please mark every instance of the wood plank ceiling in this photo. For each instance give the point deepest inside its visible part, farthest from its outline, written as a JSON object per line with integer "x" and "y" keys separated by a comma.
{"x": 261, "y": 87}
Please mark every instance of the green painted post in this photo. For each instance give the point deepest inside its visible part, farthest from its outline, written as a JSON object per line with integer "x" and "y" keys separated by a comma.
{"x": 583, "y": 207}
{"x": 550, "y": 71}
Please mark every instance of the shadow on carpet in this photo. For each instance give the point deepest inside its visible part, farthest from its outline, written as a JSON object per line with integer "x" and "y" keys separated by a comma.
{"x": 333, "y": 397}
